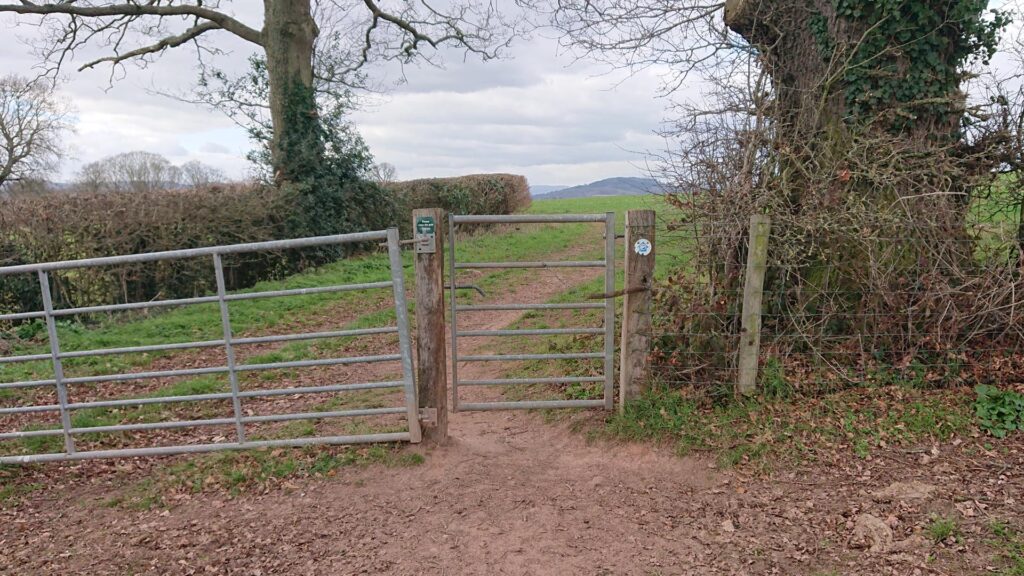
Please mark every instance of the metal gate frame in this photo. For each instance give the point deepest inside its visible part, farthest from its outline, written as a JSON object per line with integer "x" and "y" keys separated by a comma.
{"x": 56, "y": 355}
{"x": 608, "y": 305}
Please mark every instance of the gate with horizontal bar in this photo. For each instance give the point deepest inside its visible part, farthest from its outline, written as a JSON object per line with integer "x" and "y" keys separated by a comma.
{"x": 608, "y": 328}
{"x": 24, "y": 404}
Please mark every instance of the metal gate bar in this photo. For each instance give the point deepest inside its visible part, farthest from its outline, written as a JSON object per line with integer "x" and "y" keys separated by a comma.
{"x": 232, "y": 368}
{"x": 608, "y": 353}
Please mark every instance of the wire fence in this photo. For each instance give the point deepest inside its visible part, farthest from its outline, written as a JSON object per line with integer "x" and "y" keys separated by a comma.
{"x": 931, "y": 307}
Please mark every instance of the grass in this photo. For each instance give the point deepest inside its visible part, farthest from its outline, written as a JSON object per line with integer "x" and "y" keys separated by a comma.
{"x": 11, "y": 494}
{"x": 199, "y": 322}
{"x": 666, "y": 261}
{"x": 765, "y": 430}
{"x": 941, "y": 528}
{"x": 1009, "y": 545}
{"x": 253, "y": 470}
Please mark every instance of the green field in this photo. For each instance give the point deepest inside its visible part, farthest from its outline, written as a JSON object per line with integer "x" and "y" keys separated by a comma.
{"x": 276, "y": 315}
{"x": 256, "y": 317}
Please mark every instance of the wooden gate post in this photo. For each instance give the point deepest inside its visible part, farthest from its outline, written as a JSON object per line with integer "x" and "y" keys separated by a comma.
{"x": 634, "y": 362}
{"x": 753, "y": 290}
{"x": 431, "y": 371}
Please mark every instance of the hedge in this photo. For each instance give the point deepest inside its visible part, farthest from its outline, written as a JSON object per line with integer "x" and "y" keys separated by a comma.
{"x": 474, "y": 194}
{"x": 74, "y": 226}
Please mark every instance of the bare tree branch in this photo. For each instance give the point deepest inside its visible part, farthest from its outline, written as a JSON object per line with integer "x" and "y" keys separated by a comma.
{"x": 169, "y": 42}
{"x": 33, "y": 122}
{"x": 151, "y": 8}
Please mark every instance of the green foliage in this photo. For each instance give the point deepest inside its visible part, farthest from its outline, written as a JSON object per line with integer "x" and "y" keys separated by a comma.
{"x": 1010, "y": 546}
{"x": 773, "y": 379}
{"x": 473, "y": 194}
{"x": 74, "y": 226}
{"x": 327, "y": 163}
{"x": 941, "y": 528}
{"x": 998, "y": 412}
{"x": 317, "y": 156}
{"x": 912, "y": 56}
{"x": 762, "y": 431}
{"x": 819, "y": 28}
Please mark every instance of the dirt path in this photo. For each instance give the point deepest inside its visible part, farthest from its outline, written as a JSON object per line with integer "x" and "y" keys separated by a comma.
{"x": 507, "y": 493}
{"x": 511, "y": 494}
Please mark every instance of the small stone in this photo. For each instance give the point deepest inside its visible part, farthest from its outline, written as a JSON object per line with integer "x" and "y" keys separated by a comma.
{"x": 913, "y": 490}
{"x": 871, "y": 532}
{"x": 915, "y": 542}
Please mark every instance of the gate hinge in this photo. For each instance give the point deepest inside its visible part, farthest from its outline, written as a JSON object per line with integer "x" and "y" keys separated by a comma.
{"x": 428, "y": 416}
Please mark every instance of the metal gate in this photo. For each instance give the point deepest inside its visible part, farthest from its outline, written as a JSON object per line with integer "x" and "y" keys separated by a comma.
{"x": 65, "y": 410}
{"x": 608, "y": 329}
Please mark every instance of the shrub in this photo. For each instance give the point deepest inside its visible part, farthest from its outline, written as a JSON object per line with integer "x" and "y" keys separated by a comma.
{"x": 70, "y": 227}
{"x": 75, "y": 226}
{"x": 474, "y": 194}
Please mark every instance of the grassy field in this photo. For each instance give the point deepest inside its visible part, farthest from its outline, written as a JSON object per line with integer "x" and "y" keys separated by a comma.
{"x": 666, "y": 259}
{"x": 263, "y": 317}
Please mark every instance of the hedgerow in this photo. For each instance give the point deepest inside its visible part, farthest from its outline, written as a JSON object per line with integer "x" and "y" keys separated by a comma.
{"x": 85, "y": 225}
{"x": 474, "y": 194}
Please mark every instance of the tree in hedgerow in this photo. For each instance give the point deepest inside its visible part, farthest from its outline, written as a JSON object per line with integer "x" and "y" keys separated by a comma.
{"x": 34, "y": 120}
{"x": 874, "y": 132}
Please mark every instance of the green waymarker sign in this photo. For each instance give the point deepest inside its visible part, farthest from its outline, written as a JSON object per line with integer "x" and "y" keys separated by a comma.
{"x": 425, "y": 225}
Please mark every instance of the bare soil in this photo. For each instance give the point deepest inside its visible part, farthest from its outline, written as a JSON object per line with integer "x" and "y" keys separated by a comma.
{"x": 514, "y": 493}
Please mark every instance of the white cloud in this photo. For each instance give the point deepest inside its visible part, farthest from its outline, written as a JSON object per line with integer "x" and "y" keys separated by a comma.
{"x": 532, "y": 114}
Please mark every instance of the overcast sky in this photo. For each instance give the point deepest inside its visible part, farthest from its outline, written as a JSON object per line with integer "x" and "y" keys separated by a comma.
{"x": 536, "y": 113}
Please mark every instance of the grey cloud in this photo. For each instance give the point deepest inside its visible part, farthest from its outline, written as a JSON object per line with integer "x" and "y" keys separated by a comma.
{"x": 533, "y": 114}
{"x": 214, "y": 148}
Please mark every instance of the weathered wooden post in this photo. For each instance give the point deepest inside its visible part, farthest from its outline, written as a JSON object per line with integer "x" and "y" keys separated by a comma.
{"x": 753, "y": 290}
{"x": 431, "y": 371}
{"x": 635, "y": 353}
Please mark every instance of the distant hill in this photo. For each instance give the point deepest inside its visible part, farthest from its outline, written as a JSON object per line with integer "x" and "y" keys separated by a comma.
{"x": 539, "y": 189}
{"x": 622, "y": 186}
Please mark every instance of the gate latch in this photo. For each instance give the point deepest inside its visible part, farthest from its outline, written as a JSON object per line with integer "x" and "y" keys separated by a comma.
{"x": 428, "y": 416}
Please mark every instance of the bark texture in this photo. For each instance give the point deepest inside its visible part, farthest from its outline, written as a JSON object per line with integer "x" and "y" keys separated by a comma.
{"x": 289, "y": 35}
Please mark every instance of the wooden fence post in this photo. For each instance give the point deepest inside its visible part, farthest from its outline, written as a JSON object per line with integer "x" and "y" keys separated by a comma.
{"x": 753, "y": 290}
{"x": 431, "y": 370}
{"x": 634, "y": 361}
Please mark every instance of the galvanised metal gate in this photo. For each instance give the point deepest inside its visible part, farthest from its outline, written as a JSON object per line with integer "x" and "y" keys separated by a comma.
{"x": 65, "y": 409}
{"x": 607, "y": 354}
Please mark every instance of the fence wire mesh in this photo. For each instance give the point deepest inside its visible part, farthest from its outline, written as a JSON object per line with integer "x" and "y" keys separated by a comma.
{"x": 933, "y": 307}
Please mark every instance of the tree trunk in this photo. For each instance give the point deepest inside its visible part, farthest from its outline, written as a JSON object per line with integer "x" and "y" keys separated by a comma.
{"x": 1020, "y": 231}
{"x": 289, "y": 34}
{"x": 781, "y": 32}
{"x": 829, "y": 70}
